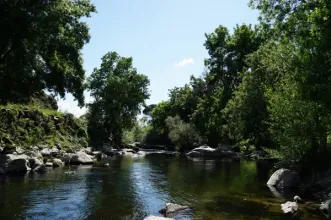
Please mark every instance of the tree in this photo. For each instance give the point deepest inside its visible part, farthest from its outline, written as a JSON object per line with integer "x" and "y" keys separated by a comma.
{"x": 40, "y": 48}
{"x": 182, "y": 134}
{"x": 119, "y": 92}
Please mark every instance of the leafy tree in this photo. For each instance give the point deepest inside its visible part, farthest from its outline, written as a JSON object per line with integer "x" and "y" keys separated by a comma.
{"x": 119, "y": 92}
{"x": 182, "y": 134}
{"x": 40, "y": 48}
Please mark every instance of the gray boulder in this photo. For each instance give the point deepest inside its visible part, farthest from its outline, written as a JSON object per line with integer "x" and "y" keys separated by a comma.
{"x": 325, "y": 207}
{"x": 81, "y": 158}
{"x": 46, "y": 152}
{"x": 57, "y": 162}
{"x": 289, "y": 207}
{"x": 49, "y": 164}
{"x": 34, "y": 162}
{"x": 1, "y": 149}
{"x": 20, "y": 150}
{"x": 14, "y": 163}
{"x": 284, "y": 178}
{"x": 172, "y": 209}
{"x": 206, "y": 151}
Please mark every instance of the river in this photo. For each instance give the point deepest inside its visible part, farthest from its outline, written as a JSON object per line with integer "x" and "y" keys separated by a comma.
{"x": 133, "y": 188}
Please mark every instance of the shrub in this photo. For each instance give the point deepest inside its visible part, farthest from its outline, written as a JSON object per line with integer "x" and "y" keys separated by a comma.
{"x": 182, "y": 134}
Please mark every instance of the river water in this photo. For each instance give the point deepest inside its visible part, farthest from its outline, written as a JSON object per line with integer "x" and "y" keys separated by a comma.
{"x": 133, "y": 188}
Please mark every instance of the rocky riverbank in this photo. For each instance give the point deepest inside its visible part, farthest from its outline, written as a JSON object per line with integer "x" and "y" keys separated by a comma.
{"x": 38, "y": 158}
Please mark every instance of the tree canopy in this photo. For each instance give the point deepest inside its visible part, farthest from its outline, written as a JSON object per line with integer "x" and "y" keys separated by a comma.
{"x": 40, "y": 48}
{"x": 119, "y": 92}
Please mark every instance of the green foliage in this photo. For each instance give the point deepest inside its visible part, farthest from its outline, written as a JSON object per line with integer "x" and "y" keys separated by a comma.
{"x": 25, "y": 126}
{"x": 40, "y": 48}
{"x": 182, "y": 134}
{"x": 119, "y": 92}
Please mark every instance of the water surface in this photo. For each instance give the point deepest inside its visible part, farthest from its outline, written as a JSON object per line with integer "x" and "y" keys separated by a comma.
{"x": 133, "y": 188}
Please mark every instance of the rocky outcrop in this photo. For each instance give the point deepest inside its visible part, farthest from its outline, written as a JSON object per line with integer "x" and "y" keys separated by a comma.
{"x": 171, "y": 209}
{"x": 284, "y": 178}
{"x": 49, "y": 164}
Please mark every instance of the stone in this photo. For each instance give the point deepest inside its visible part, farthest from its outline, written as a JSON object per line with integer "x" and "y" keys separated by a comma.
{"x": 40, "y": 169}
{"x": 49, "y": 164}
{"x": 14, "y": 163}
{"x": 9, "y": 150}
{"x": 34, "y": 162}
{"x": 206, "y": 151}
{"x": 284, "y": 178}
{"x": 46, "y": 152}
{"x": 172, "y": 209}
{"x": 54, "y": 152}
{"x": 57, "y": 162}
{"x": 289, "y": 207}
{"x": 88, "y": 150}
{"x": 108, "y": 150}
{"x": 20, "y": 150}
{"x": 81, "y": 158}
{"x": 325, "y": 207}
{"x": 157, "y": 218}
{"x": 1, "y": 149}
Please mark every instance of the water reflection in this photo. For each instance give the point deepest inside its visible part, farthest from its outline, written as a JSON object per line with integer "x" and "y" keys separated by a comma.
{"x": 135, "y": 188}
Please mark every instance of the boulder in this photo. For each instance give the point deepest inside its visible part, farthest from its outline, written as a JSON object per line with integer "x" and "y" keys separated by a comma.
{"x": 9, "y": 150}
{"x": 172, "y": 209}
{"x": 325, "y": 207}
{"x": 1, "y": 149}
{"x": 108, "y": 150}
{"x": 88, "y": 150}
{"x": 157, "y": 218}
{"x": 289, "y": 207}
{"x": 33, "y": 154}
{"x": 55, "y": 152}
{"x": 34, "y": 162}
{"x": 284, "y": 178}
{"x": 81, "y": 158}
{"x": 206, "y": 151}
{"x": 49, "y": 164}
{"x": 20, "y": 150}
{"x": 46, "y": 152}
{"x": 57, "y": 162}
{"x": 14, "y": 163}
{"x": 40, "y": 169}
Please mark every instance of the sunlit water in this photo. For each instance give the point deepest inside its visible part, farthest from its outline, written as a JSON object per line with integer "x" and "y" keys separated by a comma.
{"x": 133, "y": 188}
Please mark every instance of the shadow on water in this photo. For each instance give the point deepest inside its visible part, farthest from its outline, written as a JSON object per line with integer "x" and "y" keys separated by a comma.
{"x": 133, "y": 188}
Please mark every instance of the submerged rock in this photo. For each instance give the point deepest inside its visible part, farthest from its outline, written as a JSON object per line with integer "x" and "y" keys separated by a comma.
{"x": 284, "y": 178}
{"x": 172, "y": 209}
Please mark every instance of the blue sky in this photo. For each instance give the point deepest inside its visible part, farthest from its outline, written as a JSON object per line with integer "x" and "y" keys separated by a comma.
{"x": 164, "y": 37}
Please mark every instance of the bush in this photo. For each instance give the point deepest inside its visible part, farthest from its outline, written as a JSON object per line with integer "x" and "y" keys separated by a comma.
{"x": 182, "y": 134}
